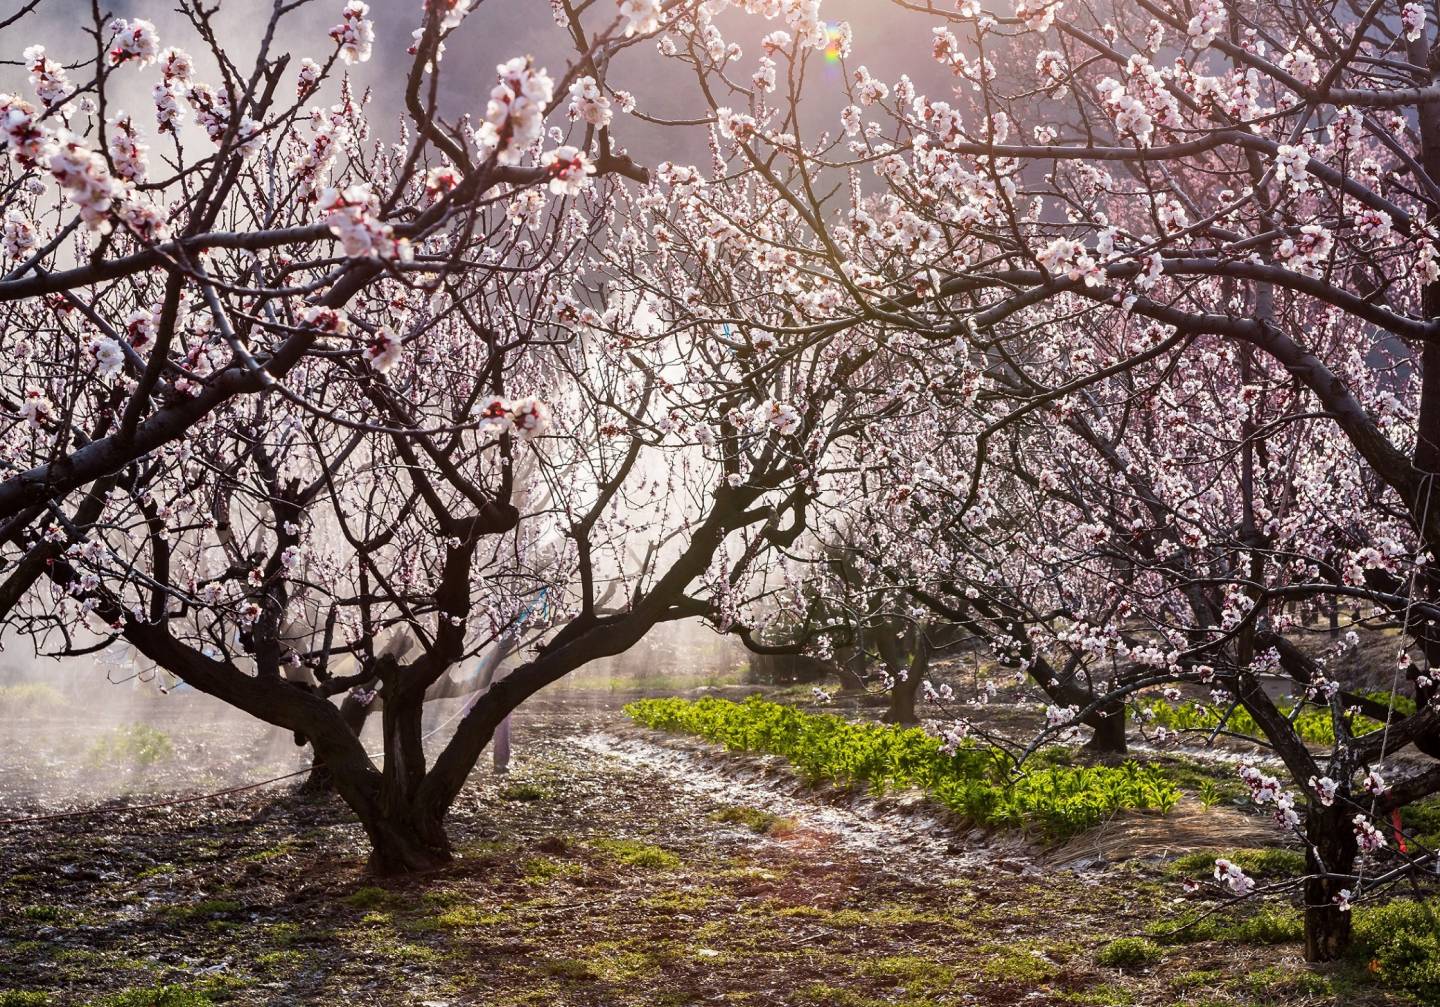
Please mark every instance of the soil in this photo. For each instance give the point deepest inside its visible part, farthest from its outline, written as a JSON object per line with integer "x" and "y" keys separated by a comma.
{"x": 612, "y": 866}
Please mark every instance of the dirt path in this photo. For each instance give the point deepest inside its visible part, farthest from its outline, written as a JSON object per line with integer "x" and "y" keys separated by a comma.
{"x": 612, "y": 867}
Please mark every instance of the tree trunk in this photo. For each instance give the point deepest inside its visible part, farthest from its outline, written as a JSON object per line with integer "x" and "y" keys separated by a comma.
{"x": 320, "y": 780}
{"x": 902, "y": 696}
{"x": 902, "y": 700}
{"x": 850, "y": 668}
{"x": 1327, "y": 927}
{"x": 406, "y": 841}
{"x": 1109, "y": 732}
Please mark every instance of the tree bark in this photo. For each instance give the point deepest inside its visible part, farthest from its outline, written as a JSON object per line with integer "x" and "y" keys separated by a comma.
{"x": 1332, "y": 851}
{"x": 902, "y": 700}
{"x": 406, "y": 840}
{"x": 1109, "y": 732}
{"x": 320, "y": 780}
{"x": 916, "y": 662}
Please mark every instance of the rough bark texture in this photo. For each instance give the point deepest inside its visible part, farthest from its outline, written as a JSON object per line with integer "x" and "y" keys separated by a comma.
{"x": 1327, "y": 927}
{"x": 1109, "y": 732}
{"x": 902, "y": 701}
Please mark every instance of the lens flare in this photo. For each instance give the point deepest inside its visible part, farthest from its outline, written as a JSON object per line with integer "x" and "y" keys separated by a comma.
{"x": 832, "y": 46}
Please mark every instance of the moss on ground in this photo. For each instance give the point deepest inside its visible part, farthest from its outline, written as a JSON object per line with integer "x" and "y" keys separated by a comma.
{"x": 633, "y": 853}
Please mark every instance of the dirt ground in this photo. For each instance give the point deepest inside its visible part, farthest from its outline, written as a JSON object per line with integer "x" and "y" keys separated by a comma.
{"x": 611, "y": 867}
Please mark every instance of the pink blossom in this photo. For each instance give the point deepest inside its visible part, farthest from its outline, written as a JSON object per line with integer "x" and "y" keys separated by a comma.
{"x": 383, "y": 350}
{"x": 355, "y": 34}
{"x": 569, "y": 170}
{"x": 133, "y": 40}
{"x": 1234, "y": 877}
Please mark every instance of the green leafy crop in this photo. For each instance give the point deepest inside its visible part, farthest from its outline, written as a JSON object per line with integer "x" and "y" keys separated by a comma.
{"x": 1313, "y": 723}
{"x": 976, "y": 782}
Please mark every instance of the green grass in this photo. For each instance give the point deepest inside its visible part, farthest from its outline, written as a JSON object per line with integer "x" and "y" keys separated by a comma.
{"x": 543, "y": 870}
{"x": 1258, "y": 863}
{"x": 369, "y": 897}
{"x": 43, "y": 914}
{"x": 1265, "y": 926}
{"x": 519, "y": 791}
{"x": 1422, "y": 821}
{"x": 158, "y": 996}
{"x": 632, "y": 853}
{"x": 1397, "y": 941}
{"x": 760, "y": 822}
{"x": 204, "y": 909}
{"x": 1313, "y": 723}
{"x": 135, "y": 744}
{"x": 1402, "y": 941}
{"x": 976, "y": 782}
{"x": 207, "y": 993}
{"x": 1129, "y": 953}
{"x": 1021, "y": 963}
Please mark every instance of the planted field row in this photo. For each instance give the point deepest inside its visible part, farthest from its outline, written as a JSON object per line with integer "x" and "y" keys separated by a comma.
{"x": 979, "y": 783}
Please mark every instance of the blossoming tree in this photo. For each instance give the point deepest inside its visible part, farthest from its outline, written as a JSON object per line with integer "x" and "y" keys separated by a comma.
{"x": 205, "y": 455}
{"x": 1155, "y": 285}
{"x": 349, "y": 442}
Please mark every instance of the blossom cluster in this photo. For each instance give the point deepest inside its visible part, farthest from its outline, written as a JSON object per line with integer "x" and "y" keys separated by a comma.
{"x": 515, "y": 116}
{"x": 528, "y": 417}
{"x": 355, "y": 34}
{"x": 352, "y": 214}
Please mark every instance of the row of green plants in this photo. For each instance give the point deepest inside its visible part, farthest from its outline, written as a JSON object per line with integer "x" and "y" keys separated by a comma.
{"x": 977, "y": 782}
{"x": 1313, "y": 723}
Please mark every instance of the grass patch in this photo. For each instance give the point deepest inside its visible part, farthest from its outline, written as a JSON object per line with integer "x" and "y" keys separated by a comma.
{"x": 279, "y": 959}
{"x": 280, "y": 849}
{"x": 518, "y": 791}
{"x": 1017, "y": 964}
{"x": 202, "y": 994}
{"x": 1258, "y": 863}
{"x": 543, "y": 870}
{"x": 688, "y": 900}
{"x": 1421, "y": 821}
{"x": 369, "y": 897}
{"x": 762, "y": 823}
{"x": 1195, "y": 978}
{"x": 1401, "y": 940}
{"x": 976, "y": 782}
{"x": 915, "y": 975}
{"x": 1398, "y": 942}
{"x": 1313, "y": 723}
{"x": 24, "y": 998}
{"x": 633, "y": 853}
{"x": 457, "y": 917}
{"x": 1104, "y": 995}
{"x": 135, "y": 744}
{"x": 43, "y": 914}
{"x": 1265, "y": 926}
{"x": 614, "y": 963}
{"x": 204, "y": 909}
{"x": 1129, "y": 953}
